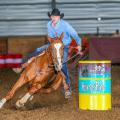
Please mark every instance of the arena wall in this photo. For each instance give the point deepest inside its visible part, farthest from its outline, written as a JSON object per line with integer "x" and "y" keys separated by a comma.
{"x": 22, "y": 45}
{"x": 3, "y": 45}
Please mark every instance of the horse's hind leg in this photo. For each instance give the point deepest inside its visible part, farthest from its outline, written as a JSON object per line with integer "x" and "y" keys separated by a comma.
{"x": 55, "y": 85}
{"x": 21, "y": 81}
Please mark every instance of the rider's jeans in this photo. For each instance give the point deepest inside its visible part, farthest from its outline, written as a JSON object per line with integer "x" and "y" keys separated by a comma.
{"x": 64, "y": 67}
{"x": 65, "y": 56}
{"x": 35, "y": 53}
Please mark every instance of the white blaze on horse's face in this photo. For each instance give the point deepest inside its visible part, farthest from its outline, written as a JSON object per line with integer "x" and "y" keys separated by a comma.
{"x": 59, "y": 59}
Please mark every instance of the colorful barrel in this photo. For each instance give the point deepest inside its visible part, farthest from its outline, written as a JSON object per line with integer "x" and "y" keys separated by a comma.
{"x": 95, "y": 85}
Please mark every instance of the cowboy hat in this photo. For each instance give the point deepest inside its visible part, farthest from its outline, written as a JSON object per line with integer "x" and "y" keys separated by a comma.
{"x": 55, "y": 12}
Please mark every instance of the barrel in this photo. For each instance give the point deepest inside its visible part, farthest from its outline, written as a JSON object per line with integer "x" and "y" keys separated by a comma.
{"x": 95, "y": 85}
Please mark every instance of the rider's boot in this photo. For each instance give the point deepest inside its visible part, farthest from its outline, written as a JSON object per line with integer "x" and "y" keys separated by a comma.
{"x": 20, "y": 69}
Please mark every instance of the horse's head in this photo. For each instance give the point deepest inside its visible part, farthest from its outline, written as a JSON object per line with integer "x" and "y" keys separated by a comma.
{"x": 56, "y": 49}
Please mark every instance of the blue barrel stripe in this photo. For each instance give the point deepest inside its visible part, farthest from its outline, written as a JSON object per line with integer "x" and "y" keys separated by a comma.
{"x": 94, "y": 87}
{"x": 96, "y": 75}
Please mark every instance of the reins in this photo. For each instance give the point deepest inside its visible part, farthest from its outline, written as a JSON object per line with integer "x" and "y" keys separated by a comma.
{"x": 69, "y": 58}
{"x": 38, "y": 71}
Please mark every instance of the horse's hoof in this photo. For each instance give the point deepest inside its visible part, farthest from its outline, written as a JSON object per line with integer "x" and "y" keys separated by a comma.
{"x": 20, "y": 108}
{"x": 19, "y": 104}
{"x": 31, "y": 98}
{"x": 1, "y": 104}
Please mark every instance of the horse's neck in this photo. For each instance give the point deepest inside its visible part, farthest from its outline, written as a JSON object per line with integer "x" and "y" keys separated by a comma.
{"x": 48, "y": 55}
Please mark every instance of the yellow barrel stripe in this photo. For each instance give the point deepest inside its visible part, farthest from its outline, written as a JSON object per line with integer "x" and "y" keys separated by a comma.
{"x": 107, "y": 78}
{"x": 95, "y": 101}
{"x": 92, "y": 61}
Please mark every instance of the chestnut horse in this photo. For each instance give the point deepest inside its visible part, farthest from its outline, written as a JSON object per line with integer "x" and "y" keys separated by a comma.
{"x": 39, "y": 72}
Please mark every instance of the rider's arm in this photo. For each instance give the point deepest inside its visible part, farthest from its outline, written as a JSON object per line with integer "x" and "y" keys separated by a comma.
{"x": 73, "y": 33}
{"x": 49, "y": 31}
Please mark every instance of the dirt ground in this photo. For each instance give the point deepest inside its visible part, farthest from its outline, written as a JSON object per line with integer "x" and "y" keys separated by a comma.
{"x": 54, "y": 106}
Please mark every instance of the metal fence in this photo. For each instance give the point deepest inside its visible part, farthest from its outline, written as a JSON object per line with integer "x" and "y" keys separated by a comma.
{"x": 29, "y": 17}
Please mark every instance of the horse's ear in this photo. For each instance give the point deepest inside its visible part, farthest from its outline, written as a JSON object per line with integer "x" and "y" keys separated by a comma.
{"x": 61, "y": 36}
{"x": 50, "y": 39}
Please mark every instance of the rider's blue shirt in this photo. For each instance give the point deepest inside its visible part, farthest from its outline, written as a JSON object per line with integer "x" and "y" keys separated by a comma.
{"x": 63, "y": 26}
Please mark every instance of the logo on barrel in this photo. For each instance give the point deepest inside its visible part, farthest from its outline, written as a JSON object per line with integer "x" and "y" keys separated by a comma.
{"x": 95, "y": 70}
{"x": 94, "y": 86}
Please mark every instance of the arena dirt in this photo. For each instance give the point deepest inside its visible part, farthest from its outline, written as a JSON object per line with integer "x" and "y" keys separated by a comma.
{"x": 53, "y": 106}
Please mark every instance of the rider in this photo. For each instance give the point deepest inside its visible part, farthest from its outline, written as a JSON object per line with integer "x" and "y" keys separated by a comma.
{"x": 55, "y": 27}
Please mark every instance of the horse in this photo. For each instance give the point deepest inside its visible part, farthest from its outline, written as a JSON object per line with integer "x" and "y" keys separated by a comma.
{"x": 38, "y": 73}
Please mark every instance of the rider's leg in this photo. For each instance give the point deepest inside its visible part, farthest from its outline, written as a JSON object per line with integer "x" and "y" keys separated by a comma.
{"x": 33, "y": 54}
{"x": 36, "y": 52}
{"x": 65, "y": 71}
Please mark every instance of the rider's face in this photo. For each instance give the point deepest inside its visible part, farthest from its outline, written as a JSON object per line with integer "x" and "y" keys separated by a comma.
{"x": 55, "y": 19}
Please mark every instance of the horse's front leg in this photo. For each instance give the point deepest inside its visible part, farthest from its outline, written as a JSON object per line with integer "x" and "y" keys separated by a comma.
{"x": 21, "y": 81}
{"x": 21, "y": 102}
{"x": 36, "y": 87}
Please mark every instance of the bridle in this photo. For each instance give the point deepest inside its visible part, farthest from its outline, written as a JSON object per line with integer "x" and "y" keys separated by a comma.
{"x": 75, "y": 55}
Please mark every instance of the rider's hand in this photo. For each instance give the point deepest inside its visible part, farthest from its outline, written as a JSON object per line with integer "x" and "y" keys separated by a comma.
{"x": 79, "y": 48}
